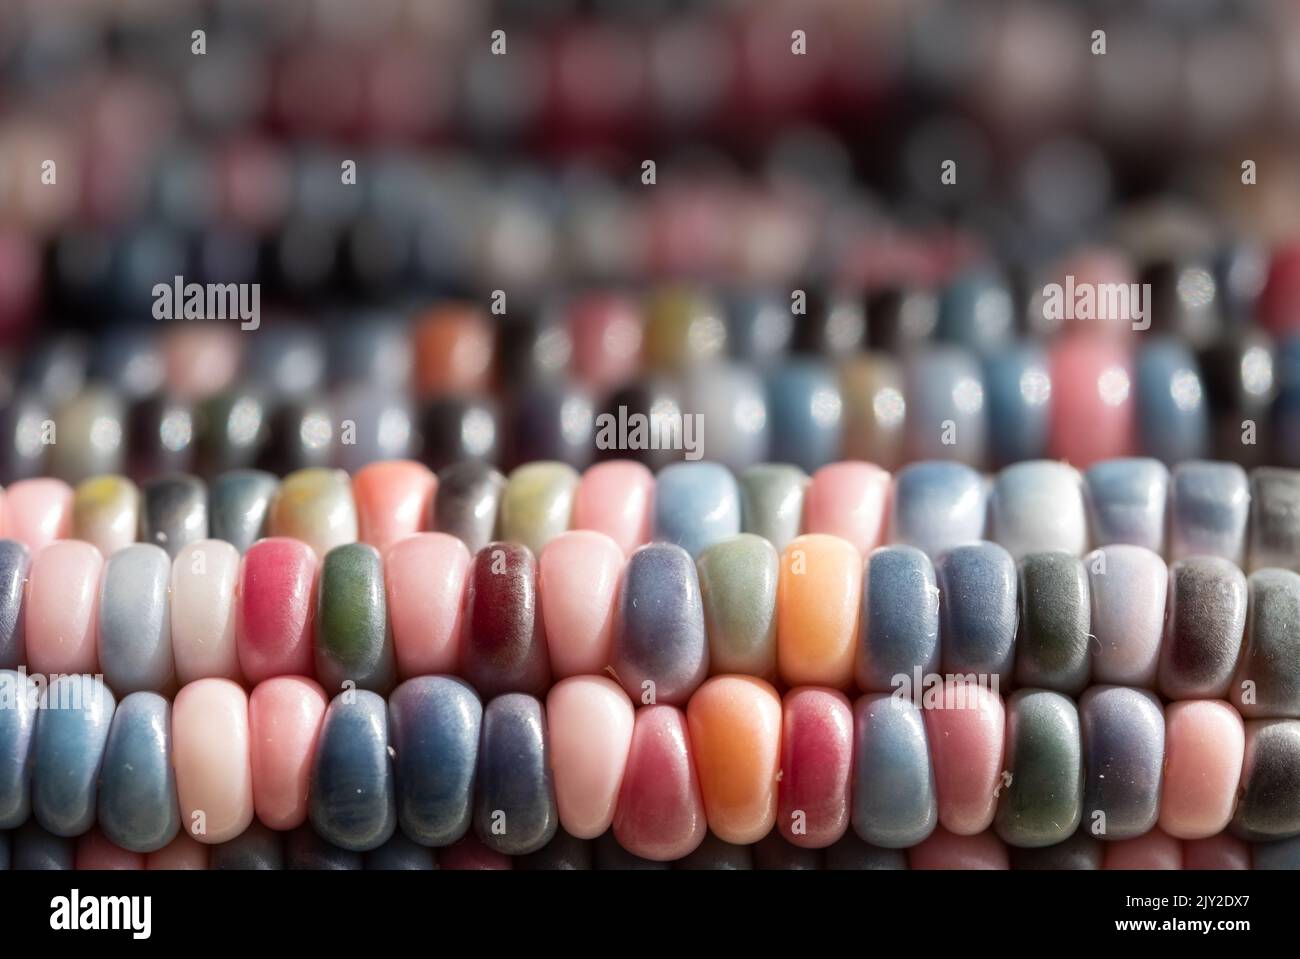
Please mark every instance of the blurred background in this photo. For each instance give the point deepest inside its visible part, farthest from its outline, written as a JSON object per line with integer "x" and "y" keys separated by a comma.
{"x": 522, "y": 171}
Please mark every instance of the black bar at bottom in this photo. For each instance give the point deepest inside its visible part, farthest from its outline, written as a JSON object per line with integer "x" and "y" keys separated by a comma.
{"x": 658, "y": 910}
